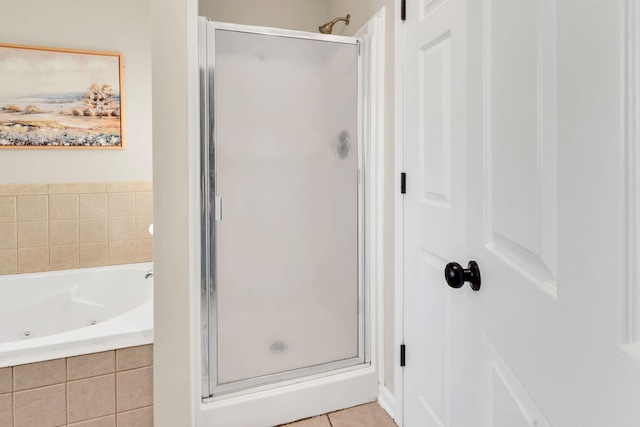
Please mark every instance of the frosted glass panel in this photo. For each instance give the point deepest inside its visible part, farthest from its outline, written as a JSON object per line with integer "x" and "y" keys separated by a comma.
{"x": 286, "y": 136}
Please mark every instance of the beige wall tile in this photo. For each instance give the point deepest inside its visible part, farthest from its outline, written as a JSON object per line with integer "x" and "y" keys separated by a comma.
{"x": 134, "y": 357}
{"x": 122, "y": 204}
{"x": 77, "y": 188}
{"x": 64, "y": 257}
{"x": 9, "y": 261}
{"x": 33, "y": 208}
{"x": 41, "y": 407}
{"x": 6, "y": 381}
{"x": 134, "y": 389}
{"x": 142, "y": 227}
{"x": 129, "y": 186}
{"x": 122, "y": 228}
{"x": 91, "y": 365}
{"x": 63, "y": 232}
{"x": 23, "y": 189}
{"x": 91, "y": 398}
{"x": 39, "y": 374}
{"x": 144, "y": 203}
{"x": 109, "y": 421}
{"x": 63, "y": 206}
{"x": 8, "y": 235}
{"x": 122, "y": 252}
{"x": 142, "y": 417}
{"x": 8, "y": 209}
{"x": 93, "y": 230}
{"x": 144, "y": 250}
{"x": 33, "y": 234}
{"x": 93, "y": 205}
{"x": 6, "y": 410}
{"x": 94, "y": 255}
{"x": 33, "y": 260}
{"x": 67, "y": 225}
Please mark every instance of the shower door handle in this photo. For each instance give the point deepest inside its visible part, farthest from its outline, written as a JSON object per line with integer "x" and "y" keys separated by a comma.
{"x": 217, "y": 208}
{"x": 457, "y": 276}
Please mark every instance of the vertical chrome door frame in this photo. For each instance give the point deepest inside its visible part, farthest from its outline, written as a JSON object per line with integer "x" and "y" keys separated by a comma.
{"x": 207, "y": 198}
{"x": 208, "y": 306}
{"x": 363, "y": 294}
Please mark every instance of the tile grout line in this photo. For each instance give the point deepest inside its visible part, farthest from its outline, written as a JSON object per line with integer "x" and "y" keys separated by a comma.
{"x": 13, "y": 402}
{"x": 115, "y": 384}
{"x": 66, "y": 388}
{"x": 329, "y": 419}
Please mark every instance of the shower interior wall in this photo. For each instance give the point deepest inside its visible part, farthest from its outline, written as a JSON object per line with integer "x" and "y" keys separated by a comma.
{"x": 302, "y": 15}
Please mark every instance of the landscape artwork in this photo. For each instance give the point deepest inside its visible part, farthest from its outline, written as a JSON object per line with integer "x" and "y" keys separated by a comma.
{"x": 57, "y": 98}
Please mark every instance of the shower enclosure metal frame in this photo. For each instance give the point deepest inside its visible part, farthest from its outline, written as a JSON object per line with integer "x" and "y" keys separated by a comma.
{"x": 211, "y": 212}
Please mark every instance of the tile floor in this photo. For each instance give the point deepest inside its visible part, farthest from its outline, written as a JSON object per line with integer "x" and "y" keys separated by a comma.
{"x": 369, "y": 415}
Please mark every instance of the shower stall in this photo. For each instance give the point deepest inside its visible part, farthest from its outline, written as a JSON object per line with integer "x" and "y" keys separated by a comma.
{"x": 283, "y": 291}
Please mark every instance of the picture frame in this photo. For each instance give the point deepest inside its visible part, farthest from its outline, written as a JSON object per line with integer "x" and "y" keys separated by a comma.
{"x": 54, "y": 98}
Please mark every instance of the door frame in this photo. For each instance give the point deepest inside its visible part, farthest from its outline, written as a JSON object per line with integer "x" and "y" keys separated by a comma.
{"x": 211, "y": 389}
{"x": 399, "y": 53}
{"x": 632, "y": 83}
{"x": 374, "y": 35}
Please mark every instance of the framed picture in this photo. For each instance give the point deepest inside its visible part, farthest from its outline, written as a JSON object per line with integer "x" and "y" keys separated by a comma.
{"x": 60, "y": 98}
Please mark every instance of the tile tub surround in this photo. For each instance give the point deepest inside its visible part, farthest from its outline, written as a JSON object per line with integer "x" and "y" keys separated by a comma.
{"x": 49, "y": 227}
{"x": 110, "y": 389}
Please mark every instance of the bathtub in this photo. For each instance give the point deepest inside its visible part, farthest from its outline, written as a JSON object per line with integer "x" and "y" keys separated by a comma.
{"x": 52, "y": 315}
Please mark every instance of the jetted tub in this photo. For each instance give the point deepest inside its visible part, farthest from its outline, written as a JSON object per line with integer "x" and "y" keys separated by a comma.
{"x": 51, "y": 315}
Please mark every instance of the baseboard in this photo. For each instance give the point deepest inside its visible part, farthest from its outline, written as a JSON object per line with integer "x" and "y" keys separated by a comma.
{"x": 387, "y": 400}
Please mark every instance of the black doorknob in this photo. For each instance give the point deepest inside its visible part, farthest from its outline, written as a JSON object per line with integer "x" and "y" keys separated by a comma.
{"x": 456, "y": 276}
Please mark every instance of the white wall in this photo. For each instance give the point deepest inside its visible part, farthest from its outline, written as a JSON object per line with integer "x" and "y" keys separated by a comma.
{"x": 361, "y": 11}
{"x": 175, "y": 79}
{"x": 111, "y": 26}
{"x": 303, "y": 15}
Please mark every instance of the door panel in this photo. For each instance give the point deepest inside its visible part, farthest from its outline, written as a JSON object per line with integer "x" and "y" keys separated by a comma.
{"x": 435, "y": 129}
{"x": 514, "y": 167}
{"x": 435, "y": 332}
{"x": 564, "y": 350}
{"x": 543, "y": 167}
{"x": 519, "y": 138}
{"x": 290, "y": 199}
{"x": 283, "y": 206}
{"x": 591, "y": 127}
{"x": 435, "y": 202}
{"x": 507, "y": 402}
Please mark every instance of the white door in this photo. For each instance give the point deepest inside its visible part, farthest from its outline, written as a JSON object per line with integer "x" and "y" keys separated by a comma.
{"x": 521, "y": 153}
{"x": 435, "y": 215}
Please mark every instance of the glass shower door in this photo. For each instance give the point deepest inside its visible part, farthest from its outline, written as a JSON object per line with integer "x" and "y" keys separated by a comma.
{"x": 283, "y": 247}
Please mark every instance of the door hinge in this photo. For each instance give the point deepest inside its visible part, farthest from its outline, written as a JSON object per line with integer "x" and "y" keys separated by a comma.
{"x": 403, "y": 183}
{"x": 403, "y": 10}
{"x": 403, "y": 357}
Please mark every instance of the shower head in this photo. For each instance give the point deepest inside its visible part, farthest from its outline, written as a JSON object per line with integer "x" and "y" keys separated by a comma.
{"x": 328, "y": 27}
